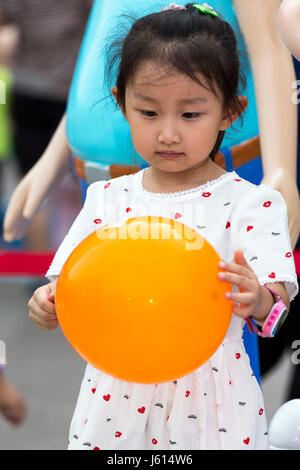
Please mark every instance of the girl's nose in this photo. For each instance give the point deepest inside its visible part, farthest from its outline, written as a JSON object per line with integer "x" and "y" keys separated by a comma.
{"x": 168, "y": 135}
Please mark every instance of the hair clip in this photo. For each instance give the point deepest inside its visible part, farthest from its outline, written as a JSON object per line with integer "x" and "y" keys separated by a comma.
{"x": 174, "y": 6}
{"x": 206, "y": 8}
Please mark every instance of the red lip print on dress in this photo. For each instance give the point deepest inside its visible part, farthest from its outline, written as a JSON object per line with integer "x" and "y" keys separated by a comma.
{"x": 118, "y": 434}
{"x": 250, "y": 227}
{"x": 107, "y": 185}
{"x": 227, "y": 225}
{"x": 267, "y": 204}
{"x": 97, "y": 221}
{"x": 177, "y": 215}
{"x": 288, "y": 254}
{"x": 237, "y": 355}
{"x": 154, "y": 441}
{"x": 260, "y": 411}
{"x": 141, "y": 410}
{"x": 272, "y": 275}
{"x": 128, "y": 209}
{"x": 93, "y": 390}
{"x": 187, "y": 393}
{"x": 206, "y": 194}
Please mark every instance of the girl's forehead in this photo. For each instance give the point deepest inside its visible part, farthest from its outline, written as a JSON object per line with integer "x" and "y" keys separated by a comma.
{"x": 154, "y": 79}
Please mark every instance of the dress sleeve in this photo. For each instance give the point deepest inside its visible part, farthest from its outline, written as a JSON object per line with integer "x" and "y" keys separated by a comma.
{"x": 259, "y": 228}
{"x": 88, "y": 220}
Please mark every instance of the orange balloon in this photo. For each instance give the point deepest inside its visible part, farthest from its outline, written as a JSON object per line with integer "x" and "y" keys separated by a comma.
{"x": 140, "y": 300}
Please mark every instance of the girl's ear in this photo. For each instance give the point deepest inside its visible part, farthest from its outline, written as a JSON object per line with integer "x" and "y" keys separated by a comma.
{"x": 114, "y": 91}
{"x": 229, "y": 118}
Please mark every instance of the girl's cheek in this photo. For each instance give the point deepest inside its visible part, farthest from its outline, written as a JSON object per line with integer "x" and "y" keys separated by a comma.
{"x": 140, "y": 142}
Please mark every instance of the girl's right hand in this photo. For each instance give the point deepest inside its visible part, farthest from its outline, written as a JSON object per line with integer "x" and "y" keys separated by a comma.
{"x": 42, "y": 307}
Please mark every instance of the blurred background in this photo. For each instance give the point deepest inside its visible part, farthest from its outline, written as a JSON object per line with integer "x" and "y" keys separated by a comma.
{"x": 43, "y": 372}
{"x": 39, "y": 45}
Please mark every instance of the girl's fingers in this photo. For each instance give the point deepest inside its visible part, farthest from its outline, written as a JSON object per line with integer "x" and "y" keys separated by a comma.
{"x": 40, "y": 305}
{"x": 241, "y": 275}
{"x": 47, "y": 305}
{"x": 244, "y": 303}
{"x": 43, "y": 324}
{"x": 240, "y": 281}
{"x": 238, "y": 269}
{"x": 36, "y": 311}
{"x": 52, "y": 287}
{"x": 240, "y": 260}
{"x": 51, "y": 298}
{"x": 242, "y": 312}
{"x": 242, "y": 297}
{"x": 42, "y": 309}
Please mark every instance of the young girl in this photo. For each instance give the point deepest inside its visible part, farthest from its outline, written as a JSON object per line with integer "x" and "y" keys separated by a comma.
{"x": 177, "y": 86}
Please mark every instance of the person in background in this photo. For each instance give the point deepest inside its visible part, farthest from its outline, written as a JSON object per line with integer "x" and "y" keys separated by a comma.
{"x": 12, "y": 404}
{"x": 8, "y": 41}
{"x": 271, "y": 351}
{"x": 50, "y": 34}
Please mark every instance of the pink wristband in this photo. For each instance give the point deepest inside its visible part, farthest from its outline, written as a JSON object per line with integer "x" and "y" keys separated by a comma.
{"x": 274, "y": 320}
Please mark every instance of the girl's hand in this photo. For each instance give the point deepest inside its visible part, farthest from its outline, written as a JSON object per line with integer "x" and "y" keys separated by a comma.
{"x": 42, "y": 307}
{"x": 251, "y": 296}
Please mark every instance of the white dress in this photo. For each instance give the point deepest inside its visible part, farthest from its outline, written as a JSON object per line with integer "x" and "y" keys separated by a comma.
{"x": 219, "y": 405}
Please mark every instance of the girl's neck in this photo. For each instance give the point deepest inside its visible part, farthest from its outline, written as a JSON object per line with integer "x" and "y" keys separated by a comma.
{"x": 159, "y": 181}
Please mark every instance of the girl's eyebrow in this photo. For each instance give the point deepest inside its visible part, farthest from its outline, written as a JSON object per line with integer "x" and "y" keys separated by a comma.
{"x": 182, "y": 101}
{"x": 199, "y": 99}
{"x": 144, "y": 98}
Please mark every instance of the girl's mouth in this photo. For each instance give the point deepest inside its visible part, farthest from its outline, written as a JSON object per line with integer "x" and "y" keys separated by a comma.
{"x": 169, "y": 155}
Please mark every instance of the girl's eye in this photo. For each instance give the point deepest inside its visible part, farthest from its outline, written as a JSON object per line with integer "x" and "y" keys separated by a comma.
{"x": 191, "y": 115}
{"x": 148, "y": 113}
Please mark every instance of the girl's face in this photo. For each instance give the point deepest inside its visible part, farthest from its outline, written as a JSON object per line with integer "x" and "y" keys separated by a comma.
{"x": 173, "y": 114}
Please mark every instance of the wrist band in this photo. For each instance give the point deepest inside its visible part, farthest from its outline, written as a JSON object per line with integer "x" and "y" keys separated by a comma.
{"x": 274, "y": 320}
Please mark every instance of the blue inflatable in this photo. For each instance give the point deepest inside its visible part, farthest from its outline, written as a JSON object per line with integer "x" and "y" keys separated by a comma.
{"x": 97, "y": 131}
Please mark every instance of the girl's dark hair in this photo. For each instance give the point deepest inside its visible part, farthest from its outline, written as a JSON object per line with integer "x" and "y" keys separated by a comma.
{"x": 185, "y": 41}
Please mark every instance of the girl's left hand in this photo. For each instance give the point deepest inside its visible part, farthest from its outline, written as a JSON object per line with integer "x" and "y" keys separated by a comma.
{"x": 251, "y": 293}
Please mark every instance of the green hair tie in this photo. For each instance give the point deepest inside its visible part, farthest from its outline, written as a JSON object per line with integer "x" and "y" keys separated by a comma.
{"x": 206, "y": 8}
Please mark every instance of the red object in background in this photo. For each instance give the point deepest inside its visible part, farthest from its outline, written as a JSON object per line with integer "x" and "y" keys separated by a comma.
{"x": 297, "y": 261}
{"x": 24, "y": 263}
{"x": 36, "y": 264}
